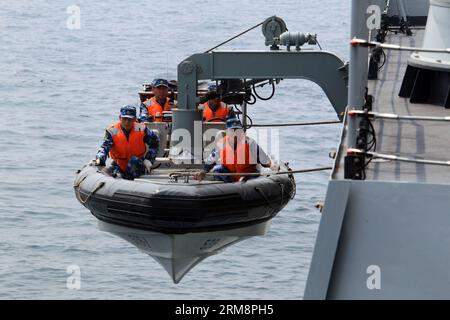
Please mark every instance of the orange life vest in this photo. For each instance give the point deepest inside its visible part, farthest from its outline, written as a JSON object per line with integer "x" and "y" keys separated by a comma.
{"x": 221, "y": 112}
{"x": 239, "y": 160}
{"x": 155, "y": 108}
{"x": 123, "y": 149}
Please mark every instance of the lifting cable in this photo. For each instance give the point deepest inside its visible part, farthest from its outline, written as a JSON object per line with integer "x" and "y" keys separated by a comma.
{"x": 234, "y": 37}
{"x": 296, "y": 124}
{"x": 375, "y": 155}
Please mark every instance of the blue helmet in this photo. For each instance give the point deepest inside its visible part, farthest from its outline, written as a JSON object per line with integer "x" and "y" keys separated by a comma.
{"x": 234, "y": 123}
{"x": 160, "y": 82}
{"x": 212, "y": 87}
{"x": 128, "y": 111}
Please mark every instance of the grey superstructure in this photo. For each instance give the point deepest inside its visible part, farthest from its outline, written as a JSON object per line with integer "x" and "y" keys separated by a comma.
{"x": 385, "y": 227}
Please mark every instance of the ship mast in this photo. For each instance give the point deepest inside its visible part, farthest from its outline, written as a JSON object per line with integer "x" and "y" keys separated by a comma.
{"x": 358, "y": 67}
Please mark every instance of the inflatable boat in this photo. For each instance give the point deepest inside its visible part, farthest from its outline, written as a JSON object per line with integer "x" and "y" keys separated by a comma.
{"x": 178, "y": 220}
{"x": 170, "y": 201}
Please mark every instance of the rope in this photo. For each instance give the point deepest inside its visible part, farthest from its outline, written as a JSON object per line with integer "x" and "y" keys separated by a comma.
{"x": 397, "y": 158}
{"x": 268, "y": 173}
{"x": 375, "y": 44}
{"x": 257, "y": 174}
{"x": 396, "y": 116}
{"x": 295, "y": 124}
{"x": 261, "y": 98}
{"x": 232, "y": 38}
{"x": 100, "y": 185}
{"x": 76, "y": 185}
{"x": 282, "y": 192}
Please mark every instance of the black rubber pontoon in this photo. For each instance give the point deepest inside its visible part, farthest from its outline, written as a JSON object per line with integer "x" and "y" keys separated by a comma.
{"x": 157, "y": 203}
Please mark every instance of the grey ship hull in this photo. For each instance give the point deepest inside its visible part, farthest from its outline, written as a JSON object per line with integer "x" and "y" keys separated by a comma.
{"x": 400, "y": 228}
{"x": 387, "y": 237}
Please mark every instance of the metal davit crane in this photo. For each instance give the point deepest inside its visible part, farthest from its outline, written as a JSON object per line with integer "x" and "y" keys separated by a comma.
{"x": 238, "y": 70}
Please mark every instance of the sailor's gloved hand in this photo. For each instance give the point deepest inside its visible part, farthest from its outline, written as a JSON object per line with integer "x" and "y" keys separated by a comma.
{"x": 200, "y": 175}
{"x": 95, "y": 162}
{"x": 148, "y": 166}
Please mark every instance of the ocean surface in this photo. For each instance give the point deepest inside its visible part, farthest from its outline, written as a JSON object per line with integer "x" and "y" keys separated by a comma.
{"x": 60, "y": 87}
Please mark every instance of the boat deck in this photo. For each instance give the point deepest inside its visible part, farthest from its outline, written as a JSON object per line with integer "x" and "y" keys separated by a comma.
{"x": 413, "y": 139}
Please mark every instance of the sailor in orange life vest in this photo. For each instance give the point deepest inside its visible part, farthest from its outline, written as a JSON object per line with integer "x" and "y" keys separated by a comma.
{"x": 235, "y": 153}
{"x": 152, "y": 109}
{"x": 214, "y": 110}
{"x": 131, "y": 145}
